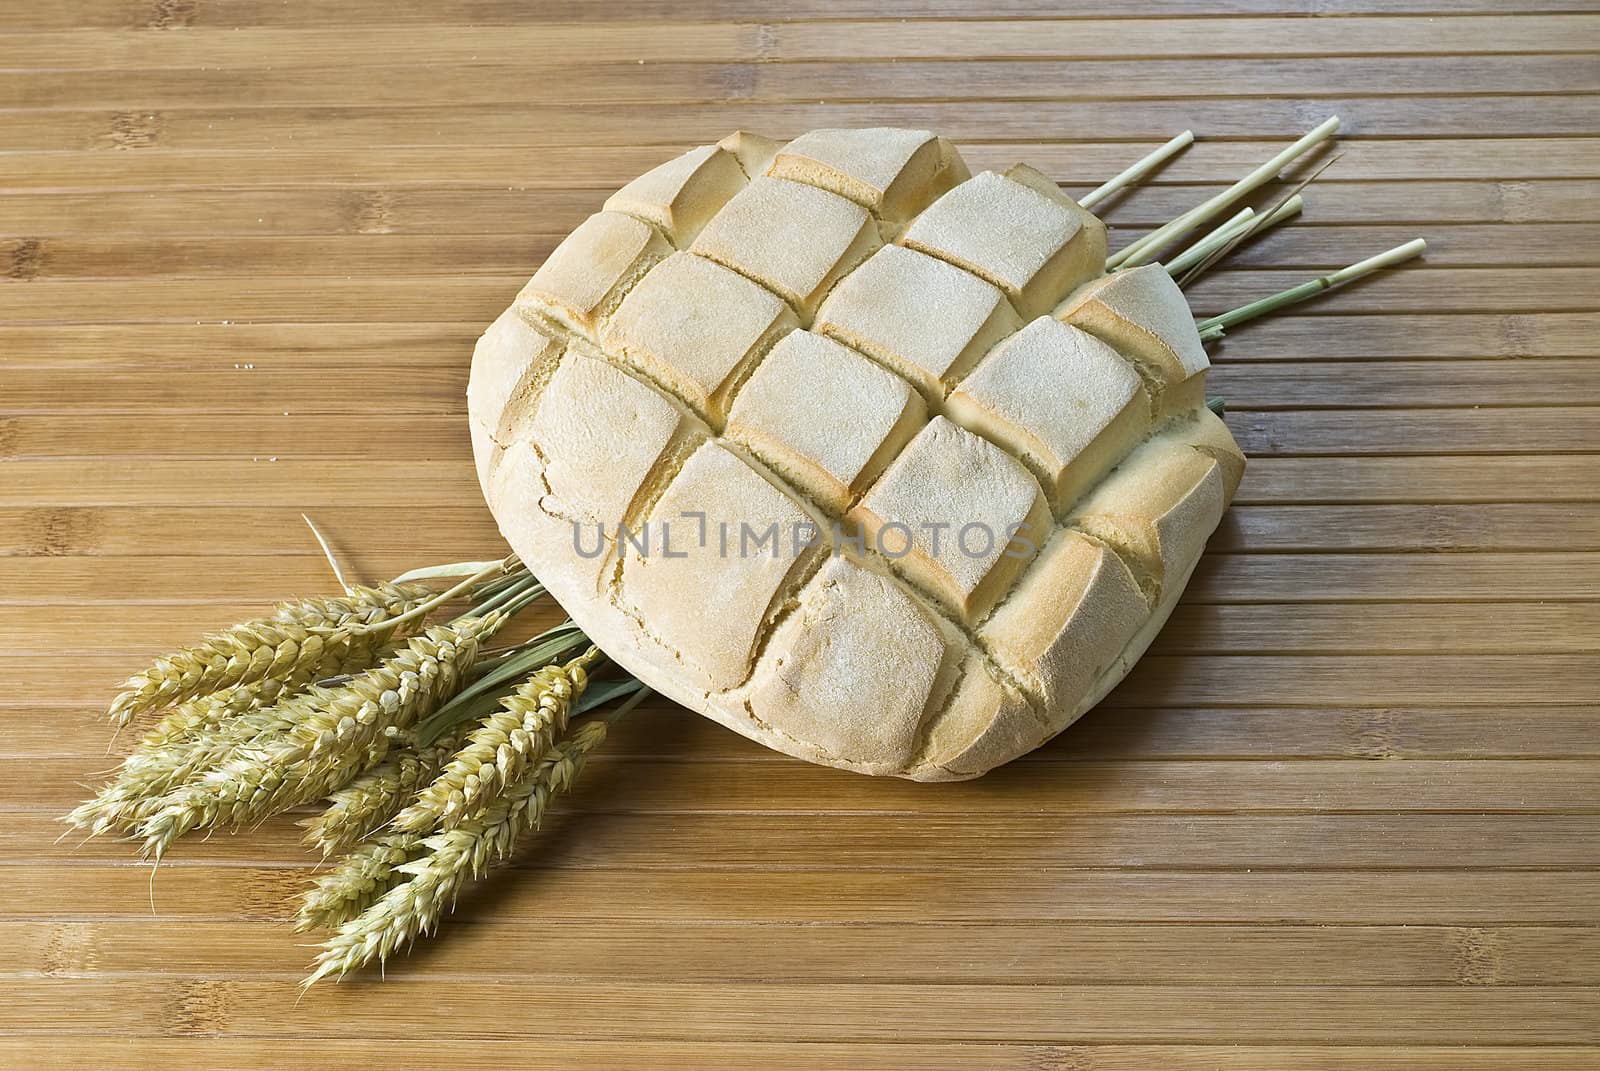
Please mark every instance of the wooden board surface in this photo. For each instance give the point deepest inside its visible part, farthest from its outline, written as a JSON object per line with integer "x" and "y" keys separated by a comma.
{"x": 1346, "y": 815}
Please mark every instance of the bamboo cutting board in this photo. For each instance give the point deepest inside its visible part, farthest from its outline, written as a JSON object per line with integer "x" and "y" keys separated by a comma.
{"x": 1346, "y": 813}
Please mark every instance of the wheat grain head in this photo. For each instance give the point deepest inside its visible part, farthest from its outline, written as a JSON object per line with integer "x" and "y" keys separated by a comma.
{"x": 497, "y": 752}
{"x": 361, "y": 877}
{"x": 291, "y": 640}
{"x": 453, "y": 858}
{"x": 333, "y": 735}
{"x": 366, "y": 804}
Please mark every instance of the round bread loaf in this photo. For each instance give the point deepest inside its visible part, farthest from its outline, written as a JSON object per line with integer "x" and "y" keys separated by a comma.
{"x": 857, "y": 453}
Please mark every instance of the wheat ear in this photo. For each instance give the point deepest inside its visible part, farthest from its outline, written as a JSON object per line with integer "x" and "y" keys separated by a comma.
{"x": 199, "y": 734}
{"x": 172, "y": 750}
{"x": 496, "y": 753}
{"x": 366, "y": 804}
{"x": 335, "y": 734}
{"x": 207, "y": 713}
{"x": 291, "y": 640}
{"x": 416, "y": 905}
{"x": 364, "y": 875}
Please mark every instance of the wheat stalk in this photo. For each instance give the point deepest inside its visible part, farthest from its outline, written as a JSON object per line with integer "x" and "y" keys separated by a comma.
{"x": 1137, "y": 171}
{"x": 333, "y": 734}
{"x": 1145, "y": 248}
{"x": 416, "y": 905}
{"x": 289, "y": 641}
{"x": 146, "y": 779}
{"x": 496, "y": 753}
{"x": 1215, "y": 326}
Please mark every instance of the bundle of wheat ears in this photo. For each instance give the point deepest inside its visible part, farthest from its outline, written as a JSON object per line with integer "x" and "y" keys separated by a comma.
{"x": 430, "y": 754}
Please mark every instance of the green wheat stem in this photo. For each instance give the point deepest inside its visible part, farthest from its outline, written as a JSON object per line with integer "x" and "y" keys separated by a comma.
{"x": 1196, "y": 261}
{"x": 1137, "y": 172}
{"x": 448, "y": 571}
{"x": 547, "y": 647}
{"x": 505, "y": 565}
{"x": 522, "y": 593}
{"x": 1143, "y": 249}
{"x": 1211, "y": 242}
{"x": 1215, "y": 325}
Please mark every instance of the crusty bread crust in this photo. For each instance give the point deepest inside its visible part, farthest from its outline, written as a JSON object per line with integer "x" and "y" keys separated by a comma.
{"x": 1075, "y": 424}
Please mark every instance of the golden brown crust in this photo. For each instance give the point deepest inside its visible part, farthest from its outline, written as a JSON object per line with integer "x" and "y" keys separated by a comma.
{"x": 681, "y": 195}
{"x": 1064, "y": 402}
{"x": 630, "y": 385}
{"x": 831, "y": 454}
{"x": 795, "y": 239}
{"x": 590, "y": 271}
{"x": 1033, "y": 246}
{"x": 1142, "y": 313}
{"x": 927, "y": 320}
{"x": 894, "y": 174}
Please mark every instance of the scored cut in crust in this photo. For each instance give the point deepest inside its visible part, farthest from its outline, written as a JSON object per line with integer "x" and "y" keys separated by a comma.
{"x": 849, "y": 336}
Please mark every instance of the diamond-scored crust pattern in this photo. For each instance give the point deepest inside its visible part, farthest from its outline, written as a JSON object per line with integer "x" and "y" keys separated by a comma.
{"x": 875, "y": 659}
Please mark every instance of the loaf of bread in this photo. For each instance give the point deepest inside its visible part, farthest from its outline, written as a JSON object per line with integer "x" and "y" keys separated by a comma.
{"x": 860, "y": 455}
